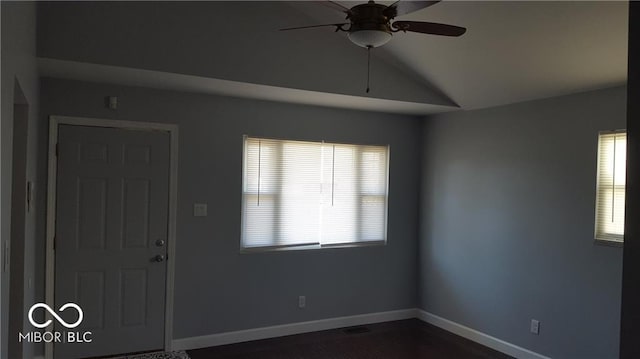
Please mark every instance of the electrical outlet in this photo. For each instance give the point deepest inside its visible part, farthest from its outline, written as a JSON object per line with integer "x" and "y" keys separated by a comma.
{"x": 535, "y": 327}
{"x": 302, "y": 301}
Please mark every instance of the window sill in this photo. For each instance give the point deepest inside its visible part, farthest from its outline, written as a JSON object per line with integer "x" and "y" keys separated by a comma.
{"x": 609, "y": 243}
{"x": 312, "y": 247}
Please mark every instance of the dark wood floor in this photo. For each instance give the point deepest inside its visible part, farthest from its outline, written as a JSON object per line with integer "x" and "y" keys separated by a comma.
{"x": 405, "y": 339}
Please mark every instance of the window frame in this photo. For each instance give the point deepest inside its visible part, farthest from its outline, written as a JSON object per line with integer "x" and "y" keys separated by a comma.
{"x": 318, "y": 245}
{"x": 606, "y": 239}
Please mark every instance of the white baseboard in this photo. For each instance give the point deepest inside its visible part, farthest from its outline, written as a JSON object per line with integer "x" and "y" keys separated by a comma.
{"x": 478, "y": 337}
{"x": 289, "y": 329}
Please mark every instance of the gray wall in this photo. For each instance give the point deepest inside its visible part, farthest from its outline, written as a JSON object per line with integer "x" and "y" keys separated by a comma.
{"x": 507, "y": 219}
{"x": 18, "y": 66}
{"x": 218, "y": 289}
{"x": 629, "y": 331}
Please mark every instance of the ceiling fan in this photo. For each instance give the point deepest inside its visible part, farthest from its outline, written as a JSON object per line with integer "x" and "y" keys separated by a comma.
{"x": 370, "y": 25}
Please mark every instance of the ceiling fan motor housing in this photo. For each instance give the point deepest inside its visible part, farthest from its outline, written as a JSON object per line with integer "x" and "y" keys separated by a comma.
{"x": 369, "y": 25}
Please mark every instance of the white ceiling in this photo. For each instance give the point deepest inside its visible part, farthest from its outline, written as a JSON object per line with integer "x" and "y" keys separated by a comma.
{"x": 513, "y": 51}
{"x": 517, "y": 51}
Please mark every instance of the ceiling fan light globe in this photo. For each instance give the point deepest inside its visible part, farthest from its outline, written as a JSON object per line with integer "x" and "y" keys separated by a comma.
{"x": 369, "y": 38}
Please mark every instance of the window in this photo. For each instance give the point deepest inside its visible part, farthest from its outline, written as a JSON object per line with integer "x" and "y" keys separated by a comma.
{"x": 313, "y": 194}
{"x": 610, "y": 198}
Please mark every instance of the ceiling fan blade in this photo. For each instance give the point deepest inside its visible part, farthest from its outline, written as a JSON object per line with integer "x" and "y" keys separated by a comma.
{"x": 334, "y": 5}
{"x": 429, "y": 28}
{"x": 312, "y": 26}
{"x": 405, "y": 7}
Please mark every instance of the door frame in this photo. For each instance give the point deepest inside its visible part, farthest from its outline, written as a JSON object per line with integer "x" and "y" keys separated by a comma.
{"x": 20, "y": 211}
{"x": 172, "y": 129}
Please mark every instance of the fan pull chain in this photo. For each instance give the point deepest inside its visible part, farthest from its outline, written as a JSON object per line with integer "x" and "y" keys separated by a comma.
{"x": 368, "y": 66}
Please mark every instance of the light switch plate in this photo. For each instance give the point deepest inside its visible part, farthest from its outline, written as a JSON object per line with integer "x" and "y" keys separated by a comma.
{"x": 200, "y": 210}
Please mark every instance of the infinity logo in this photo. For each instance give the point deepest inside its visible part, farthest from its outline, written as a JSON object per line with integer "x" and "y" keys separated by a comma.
{"x": 48, "y": 309}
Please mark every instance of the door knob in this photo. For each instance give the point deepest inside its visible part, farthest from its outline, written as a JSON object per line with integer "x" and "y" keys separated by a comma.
{"x": 159, "y": 258}
{"x": 160, "y": 243}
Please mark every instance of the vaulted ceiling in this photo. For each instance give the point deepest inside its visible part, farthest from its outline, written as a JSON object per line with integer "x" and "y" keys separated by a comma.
{"x": 512, "y": 51}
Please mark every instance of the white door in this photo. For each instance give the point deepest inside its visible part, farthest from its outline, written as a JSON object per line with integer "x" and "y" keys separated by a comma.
{"x": 111, "y": 234}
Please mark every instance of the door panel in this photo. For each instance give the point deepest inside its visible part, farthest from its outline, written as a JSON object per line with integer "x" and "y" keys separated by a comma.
{"x": 134, "y": 297}
{"x": 112, "y": 208}
{"x": 91, "y": 293}
{"x": 91, "y": 217}
{"x": 136, "y": 213}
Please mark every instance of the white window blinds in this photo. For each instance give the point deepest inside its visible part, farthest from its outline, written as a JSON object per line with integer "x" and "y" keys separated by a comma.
{"x": 299, "y": 193}
{"x": 610, "y": 198}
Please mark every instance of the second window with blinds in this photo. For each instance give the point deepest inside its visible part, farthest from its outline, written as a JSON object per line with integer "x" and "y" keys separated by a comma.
{"x": 300, "y": 194}
{"x": 611, "y": 187}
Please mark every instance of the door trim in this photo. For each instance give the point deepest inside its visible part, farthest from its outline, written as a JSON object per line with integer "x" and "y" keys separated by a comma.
{"x": 54, "y": 122}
